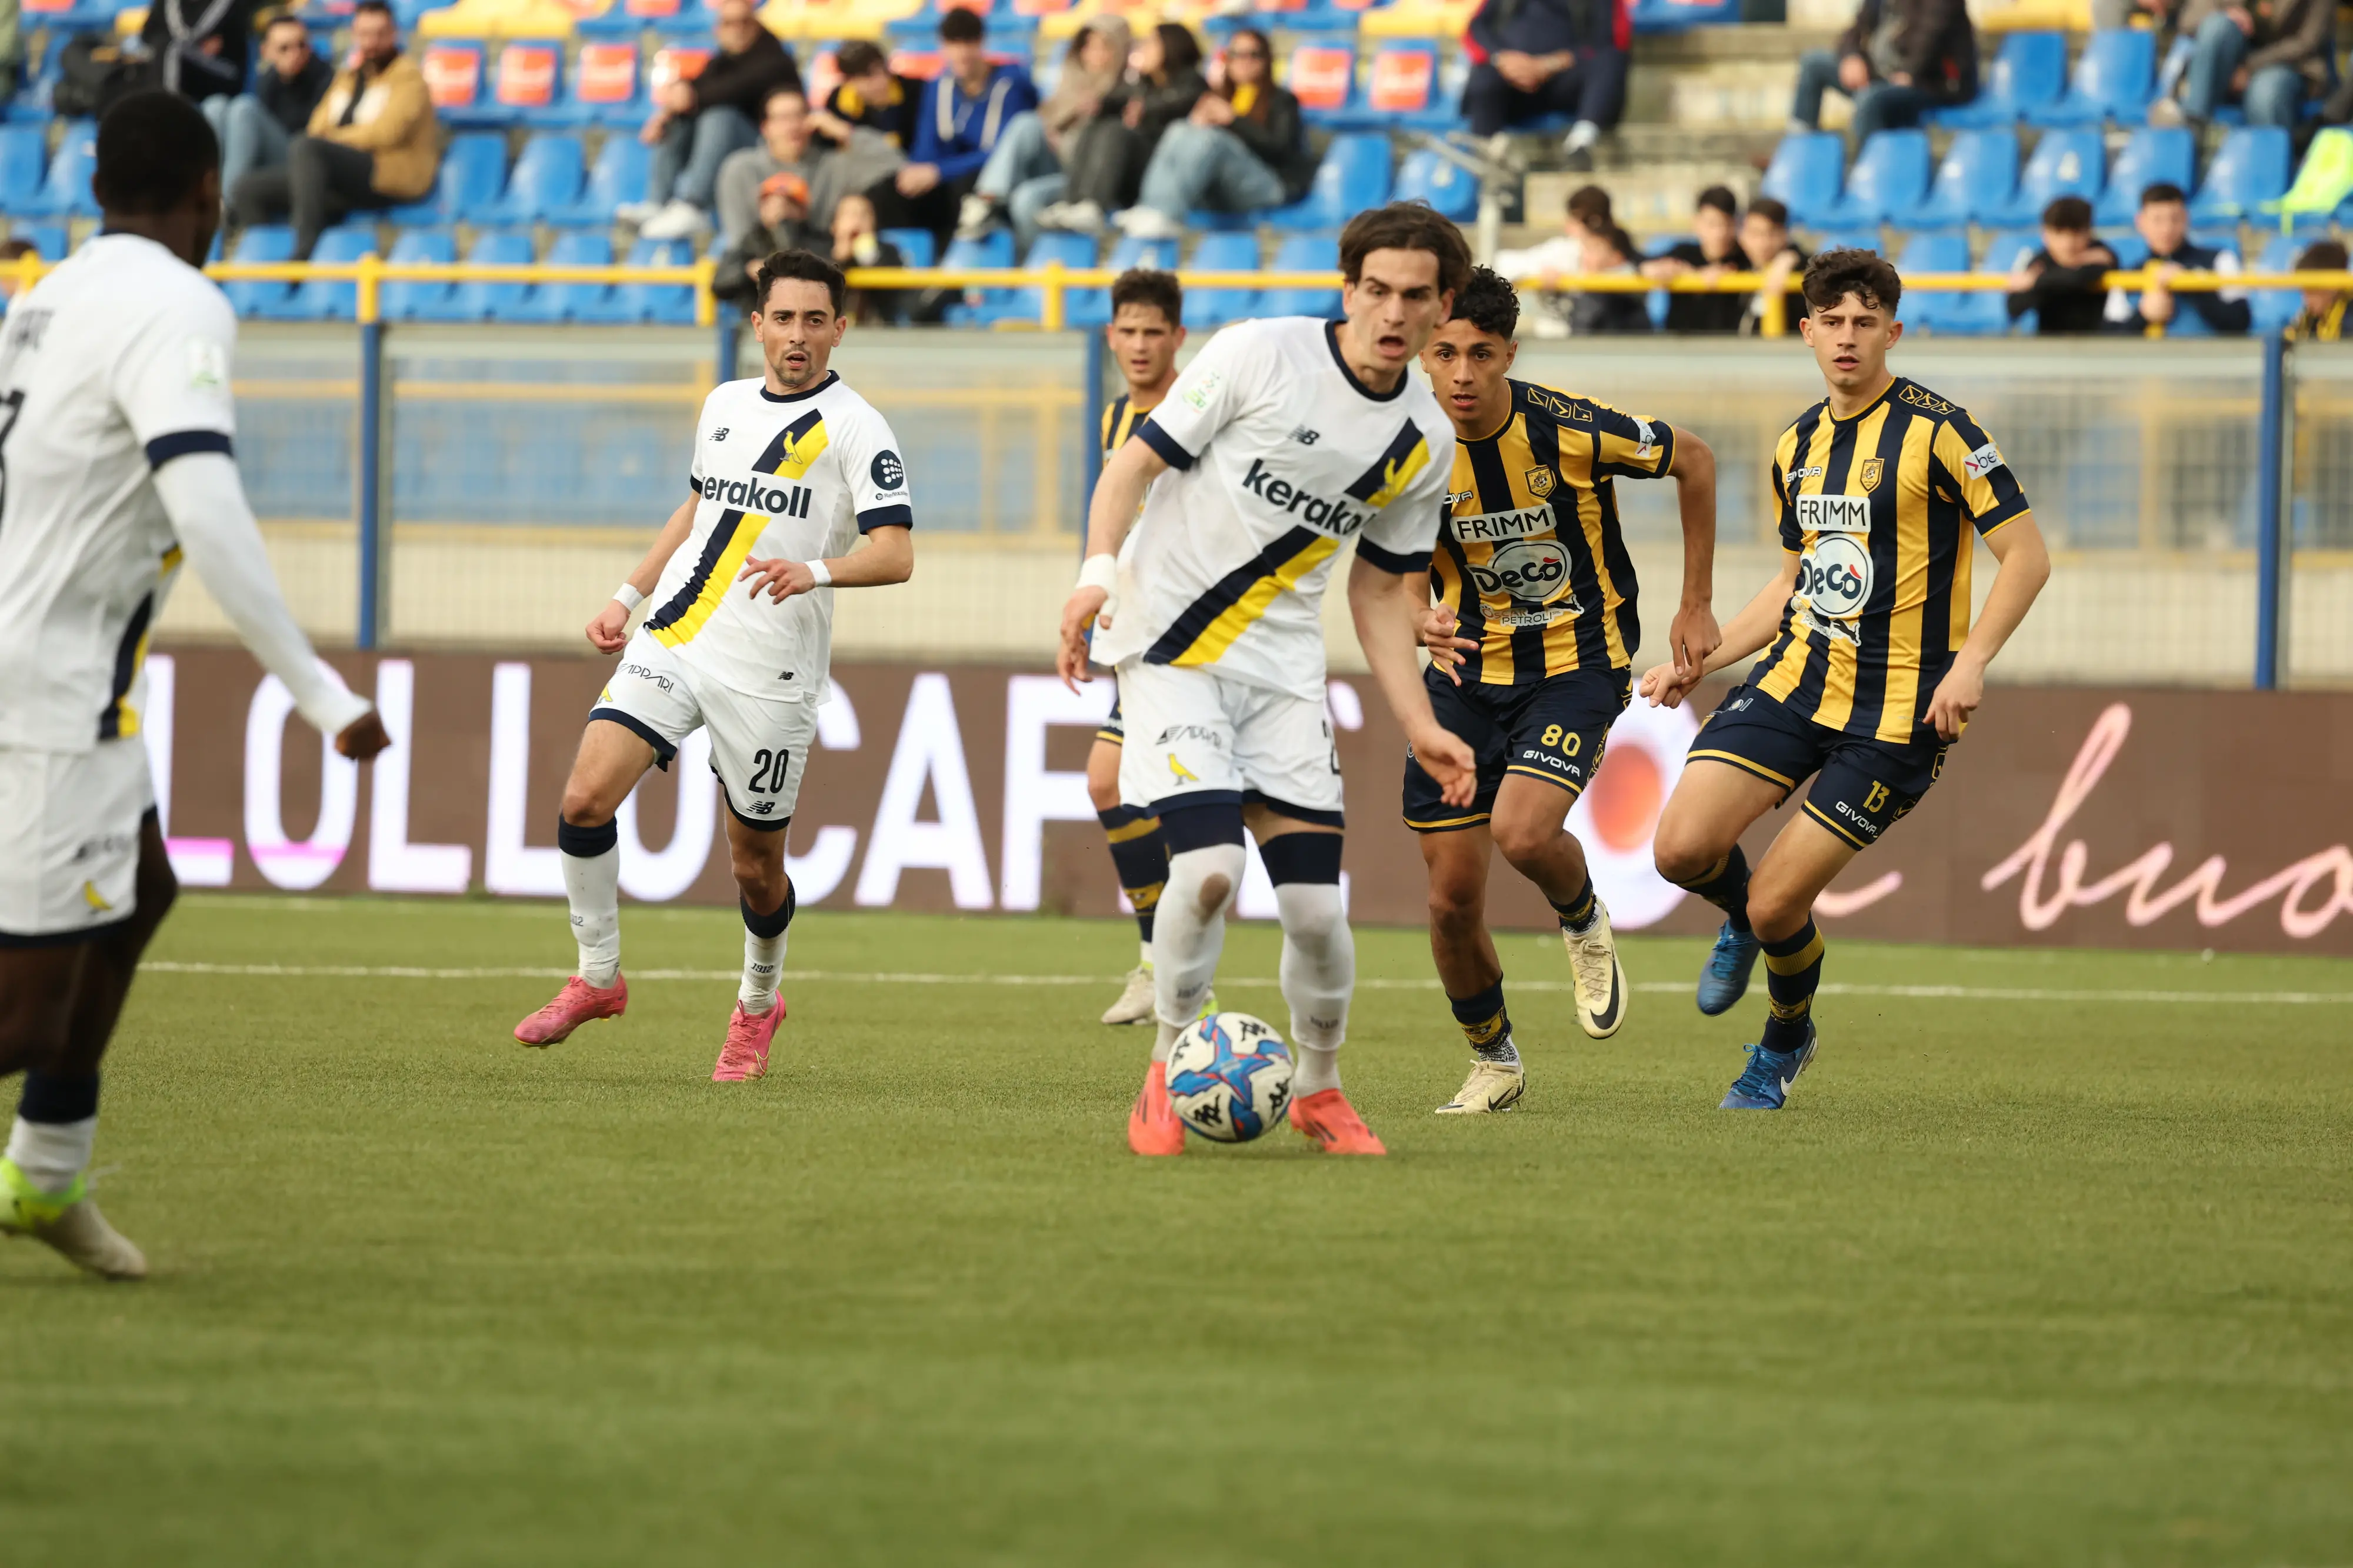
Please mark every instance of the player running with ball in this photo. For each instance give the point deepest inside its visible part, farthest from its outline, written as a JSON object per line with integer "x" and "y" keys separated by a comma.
{"x": 790, "y": 469}
{"x": 1288, "y": 437}
{"x": 1870, "y": 666}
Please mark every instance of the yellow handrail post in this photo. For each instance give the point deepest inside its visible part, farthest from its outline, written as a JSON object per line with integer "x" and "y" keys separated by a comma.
{"x": 1775, "y": 319}
{"x": 371, "y": 278}
{"x": 1050, "y": 317}
{"x": 29, "y": 268}
{"x": 706, "y": 296}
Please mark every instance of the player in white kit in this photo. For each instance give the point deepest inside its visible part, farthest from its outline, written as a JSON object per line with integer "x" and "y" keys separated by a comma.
{"x": 790, "y": 469}
{"x": 116, "y": 464}
{"x": 1284, "y": 440}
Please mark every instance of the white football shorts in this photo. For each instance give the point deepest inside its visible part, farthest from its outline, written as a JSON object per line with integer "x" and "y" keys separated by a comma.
{"x": 759, "y": 746}
{"x": 1195, "y": 734}
{"x": 70, "y": 824}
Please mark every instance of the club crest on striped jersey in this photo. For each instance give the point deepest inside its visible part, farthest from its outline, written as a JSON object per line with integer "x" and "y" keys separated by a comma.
{"x": 1407, "y": 455}
{"x": 1539, "y": 480}
{"x": 1867, "y": 474}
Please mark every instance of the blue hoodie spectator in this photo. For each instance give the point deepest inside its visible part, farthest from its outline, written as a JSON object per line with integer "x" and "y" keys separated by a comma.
{"x": 963, "y": 111}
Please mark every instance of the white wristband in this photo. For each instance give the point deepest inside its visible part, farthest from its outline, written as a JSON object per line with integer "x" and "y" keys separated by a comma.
{"x": 628, "y": 598}
{"x": 822, "y": 572}
{"x": 1099, "y": 572}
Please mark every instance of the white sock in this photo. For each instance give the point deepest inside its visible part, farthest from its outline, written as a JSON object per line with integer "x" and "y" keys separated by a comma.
{"x": 1318, "y": 974}
{"x": 1584, "y": 133}
{"x": 1143, "y": 952}
{"x": 52, "y": 1154}
{"x": 763, "y": 962}
{"x": 591, "y": 886}
{"x": 1186, "y": 941}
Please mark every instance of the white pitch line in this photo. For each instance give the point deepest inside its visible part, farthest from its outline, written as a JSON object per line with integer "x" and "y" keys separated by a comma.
{"x": 884, "y": 977}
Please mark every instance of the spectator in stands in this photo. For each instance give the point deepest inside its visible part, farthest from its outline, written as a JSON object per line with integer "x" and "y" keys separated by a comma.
{"x": 1710, "y": 254}
{"x": 857, "y": 243}
{"x": 11, "y": 250}
{"x": 1899, "y": 59}
{"x": 697, "y": 123}
{"x": 780, "y": 222}
{"x": 1540, "y": 58}
{"x": 2063, "y": 282}
{"x": 2321, "y": 320}
{"x": 1612, "y": 250}
{"x": 1243, "y": 147}
{"x": 869, "y": 97}
{"x": 256, "y": 127}
{"x": 373, "y": 142}
{"x": 1765, "y": 241}
{"x": 2267, "y": 56}
{"x": 1543, "y": 310}
{"x": 964, "y": 112}
{"x": 1023, "y": 175}
{"x": 201, "y": 45}
{"x": 1107, "y": 167}
{"x": 2163, "y": 222}
{"x": 788, "y": 150}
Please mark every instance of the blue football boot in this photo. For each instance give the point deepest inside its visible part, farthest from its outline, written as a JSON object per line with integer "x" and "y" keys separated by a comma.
{"x": 1766, "y": 1085}
{"x": 1724, "y": 981}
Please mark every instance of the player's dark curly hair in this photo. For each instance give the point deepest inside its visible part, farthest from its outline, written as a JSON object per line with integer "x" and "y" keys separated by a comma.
{"x": 153, "y": 151}
{"x": 1865, "y": 274}
{"x": 1405, "y": 225}
{"x": 804, "y": 265}
{"x": 1487, "y": 301}
{"x": 1149, "y": 287}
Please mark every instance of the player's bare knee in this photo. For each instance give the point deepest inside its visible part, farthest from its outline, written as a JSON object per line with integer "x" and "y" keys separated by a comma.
{"x": 584, "y": 806}
{"x": 1455, "y": 911}
{"x": 759, "y": 874}
{"x": 1680, "y": 858}
{"x": 1774, "y": 913}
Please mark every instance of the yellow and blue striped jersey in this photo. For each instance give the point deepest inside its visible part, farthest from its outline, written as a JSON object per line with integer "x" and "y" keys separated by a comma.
{"x": 1119, "y": 420}
{"x": 2322, "y": 326}
{"x": 1873, "y": 508}
{"x": 1531, "y": 556}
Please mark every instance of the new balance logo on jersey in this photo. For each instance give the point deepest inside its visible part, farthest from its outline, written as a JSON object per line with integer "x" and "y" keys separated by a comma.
{"x": 751, "y": 495}
{"x": 1305, "y": 437}
{"x": 719, "y": 435}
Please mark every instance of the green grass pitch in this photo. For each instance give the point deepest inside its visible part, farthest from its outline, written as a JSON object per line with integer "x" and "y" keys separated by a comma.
{"x": 2016, "y": 1279}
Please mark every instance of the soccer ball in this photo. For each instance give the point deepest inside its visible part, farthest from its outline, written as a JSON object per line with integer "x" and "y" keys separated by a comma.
{"x": 1229, "y": 1077}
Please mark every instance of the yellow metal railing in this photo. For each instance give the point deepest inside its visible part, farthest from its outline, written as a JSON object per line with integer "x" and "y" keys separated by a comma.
{"x": 1053, "y": 281}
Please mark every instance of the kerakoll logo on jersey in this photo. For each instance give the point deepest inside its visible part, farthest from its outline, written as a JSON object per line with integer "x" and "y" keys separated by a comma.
{"x": 1335, "y": 517}
{"x": 750, "y": 495}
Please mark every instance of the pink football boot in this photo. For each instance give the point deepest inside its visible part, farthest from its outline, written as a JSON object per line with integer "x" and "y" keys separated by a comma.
{"x": 746, "y": 1054}
{"x": 579, "y": 1002}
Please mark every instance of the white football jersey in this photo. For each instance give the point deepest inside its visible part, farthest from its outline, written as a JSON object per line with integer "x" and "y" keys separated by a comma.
{"x": 1280, "y": 455}
{"x": 799, "y": 477}
{"x": 109, "y": 367}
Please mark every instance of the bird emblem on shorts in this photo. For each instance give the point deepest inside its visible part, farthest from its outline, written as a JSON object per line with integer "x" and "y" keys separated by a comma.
{"x": 1183, "y": 773}
{"x": 94, "y": 898}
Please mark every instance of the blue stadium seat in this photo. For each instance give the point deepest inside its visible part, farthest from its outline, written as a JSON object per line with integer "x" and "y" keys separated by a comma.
{"x": 916, "y": 246}
{"x": 481, "y": 300}
{"x": 413, "y": 300}
{"x": 550, "y": 302}
{"x": 548, "y": 178}
{"x": 1805, "y": 173}
{"x": 1222, "y": 253}
{"x": 1675, "y": 15}
{"x": 31, "y": 106}
{"x": 49, "y": 239}
{"x": 1978, "y": 179}
{"x": 1889, "y": 178}
{"x": 2028, "y": 75}
{"x": 1073, "y": 250}
{"x": 1849, "y": 240}
{"x": 268, "y": 242}
{"x": 66, "y": 192}
{"x": 1354, "y": 176}
{"x": 2249, "y": 169}
{"x": 979, "y": 306}
{"x": 2114, "y": 79}
{"x": 661, "y": 304}
{"x": 2069, "y": 163}
{"x": 1425, "y": 176}
{"x": 2154, "y": 156}
{"x": 2276, "y": 308}
{"x": 1304, "y": 253}
{"x": 2131, "y": 249}
{"x": 619, "y": 175}
{"x": 473, "y": 172}
{"x": 320, "y": 301}
{"x": 24, "y": 161}
{"x": 1092, "y": 307}
{"x": 1940, "y": 251}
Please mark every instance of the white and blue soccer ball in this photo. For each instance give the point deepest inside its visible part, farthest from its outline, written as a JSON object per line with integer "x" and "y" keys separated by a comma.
{"x": 1229, "y": 1077}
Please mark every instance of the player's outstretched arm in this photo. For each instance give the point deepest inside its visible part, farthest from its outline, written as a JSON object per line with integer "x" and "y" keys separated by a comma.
{"x": 887, "y": 557}
{"x": 206, "y": 500}
{"x": 2022, "y": 565}
{"x": 1389, "y": 610}
{"x": 1666, "y": 685}
{"x": 1119, "y": 496}
{"x": 609, "y": 628}
{"x": 1694, "y": 635}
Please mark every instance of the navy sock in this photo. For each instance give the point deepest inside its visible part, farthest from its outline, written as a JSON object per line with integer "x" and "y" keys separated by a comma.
{"x": 1726, "y": 885}
{"x": 1486, "y": 1023}
{"x": 1576, "y": 911}
{"x": 1140, "y": 854}
{"x": 59, "y": 1097}
{"x": 1793, "y": 968}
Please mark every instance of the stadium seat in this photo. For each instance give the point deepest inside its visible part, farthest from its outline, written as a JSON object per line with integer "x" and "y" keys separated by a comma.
{"x": 2249, "y": 170}
{"x": 1092, "y": 307}
{"x": 414, "y": 299}
{"x": 31, "y": 106}
{"x": 2154, "y": 155}
{"x": 24, "y": 161}
{"x": 1978, "y": 179}
{"x": 661, "y": 304}
{"x": 473, "y": 172}
{"x": 1073, "y": 250}
{"x": 549, "y": 303}
{"x": 2029, "y": 74}
{"x": 1839, "y": 239}
{"x": 1304, "y": 253}
{"x": 1889, "y": 178}
{"x": 65, "y": 193}
{"x": 453, "y": 79}
{"x": 916, "y": 246}
{"x": 619, "y": 175}
{"x": 526, "y": 84}
{"x": 1805, "y": 172}
{"x": 547, "y": 179}
{"x": 1446, "y": 185}
{"x": 1402, "y": 88}
{"x": 1675, "y": 15}
{"x": 1940, "y": 251}
{"x": 1353, "y": 176}
{"x": 254, "y": 297}
{"x": 604, "y": 88}
{"x": 979, "y": 306}
{"x": 49, "y": 240}
{"x": 1323, "y": 77}
{"x": 2114, "y": 79}
{"x": 319, "y": 300}
{"x": 2070, "y": 162}
{"x": 1222, "y": 253}
{"x": 2277, "y": 308}
{"x": 483, "y": 300}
